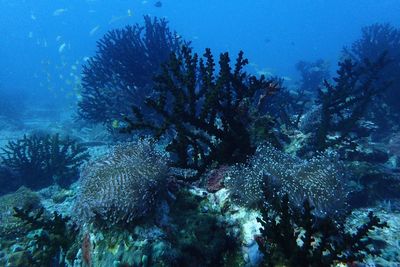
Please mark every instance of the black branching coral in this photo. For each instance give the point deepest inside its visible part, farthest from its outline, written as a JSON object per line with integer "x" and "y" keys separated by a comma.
{"x": 343, "y": 104}
{"x": 41, "y": 160}
{"x": 298, "y": 238}
{"x": 121, "y": 73}
{"x": 54, "y": 236}
{"x": 204, "y": 114}
{"x": 377, "y": 39}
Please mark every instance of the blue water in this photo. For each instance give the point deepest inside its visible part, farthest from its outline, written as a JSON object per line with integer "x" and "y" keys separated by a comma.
{"x": 274, "y": 34}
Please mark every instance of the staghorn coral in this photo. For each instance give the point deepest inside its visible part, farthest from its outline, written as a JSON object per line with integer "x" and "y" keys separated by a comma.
{"x": 121, "y": 73}
{"x": 320, "y": 179}
{"x": 205, "y": 115}
{"x": 123, "y": 185}
{"x": 41, "y": 160}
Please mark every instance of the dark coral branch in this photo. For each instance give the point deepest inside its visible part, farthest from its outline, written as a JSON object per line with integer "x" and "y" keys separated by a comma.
{"x": 344, "y": 104}
{"x": 207, "y": 115}
{"x": 44, "y": 160}
{"x": 298, "y": 238}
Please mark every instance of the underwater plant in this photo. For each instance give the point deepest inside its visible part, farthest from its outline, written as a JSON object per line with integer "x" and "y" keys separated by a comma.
{"x": 121, "y": 73}
{"x": 320, "y": 179}
{"x": 342, "y": 105}
{"x": 41, "y": 160}
{"x": 54, "y": 236}
{"x": 296, "y": 237}
{"x": 205, "y": 115}
{"x": 123, "y": 185}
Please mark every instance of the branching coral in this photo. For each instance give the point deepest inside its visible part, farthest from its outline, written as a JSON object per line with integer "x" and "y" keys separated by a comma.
{"x": 320, "y": 179}
{"x": 375, "y": 40}
{"x": 121, "y": 73}
{"x": 43, "y": 160}
{"x": 298, "y": 238}
{"x": 312, "y": 74}
{"x": 343, "y": 105}
{"x": 207, "y": 115}
{"x": 123, "y": 185}
{"x": 54, "y": 235}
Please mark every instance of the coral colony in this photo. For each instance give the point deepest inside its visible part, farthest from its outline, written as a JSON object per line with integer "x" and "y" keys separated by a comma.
{"x": 214, "y": 166}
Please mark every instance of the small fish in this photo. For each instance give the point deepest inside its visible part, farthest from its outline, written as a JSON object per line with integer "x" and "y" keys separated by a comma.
{"x": 115, "y": 124}
{"x": 59, "y": 11}
{"x": 158, "y": 4}
{"x": 94, "y": 30}
{"x": 267, "y": 40}
{"x": 30, "y": 34}
{"x": 129, "y": 13}
{"x": 33, "y": 17}
{"x": 62, "y": 47}
{"x": 58, "y": 38}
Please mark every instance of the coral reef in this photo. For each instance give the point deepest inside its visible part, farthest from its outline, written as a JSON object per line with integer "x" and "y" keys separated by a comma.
{"x": 206, "y": 115}
{"x": 312, "y": 74}
{"x": 343, "y": 105}
{"x": 41, "y": 160}
{"x": 123, "y": 185}
{"x": 121, "y": 73}
{"x": 196, "y": 247}
{"x": 320, "y": 179}
{"x": 298, "y": 238}
{"x": 376, "y": 39}
{"x": 52, "y": 236}
{"x": 23, "y": 198}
